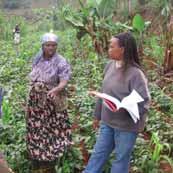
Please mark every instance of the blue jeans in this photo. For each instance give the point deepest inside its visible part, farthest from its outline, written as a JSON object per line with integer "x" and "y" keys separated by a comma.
{"x": 108, "y": 140}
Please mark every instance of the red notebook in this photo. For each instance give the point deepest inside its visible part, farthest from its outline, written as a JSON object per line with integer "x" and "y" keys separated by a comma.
{"x": 111, "y": 105}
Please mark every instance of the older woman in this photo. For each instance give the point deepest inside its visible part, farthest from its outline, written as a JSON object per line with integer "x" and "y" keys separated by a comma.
{"x": 48, "y": 128}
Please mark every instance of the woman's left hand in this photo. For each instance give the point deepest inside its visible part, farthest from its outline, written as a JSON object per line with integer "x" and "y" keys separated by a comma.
{"x": 53, "y": 93}
{"x": 93, "y": 93}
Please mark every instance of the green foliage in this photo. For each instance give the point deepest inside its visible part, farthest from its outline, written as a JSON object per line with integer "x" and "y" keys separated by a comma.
{"x": 153, "y": 154}
{"x": 13, "y": 77}
{"x": 49, "y": 20}
{"x": 165, "y": 102}
{"x": 154, "y": 49}
{"x": 6, "y": 109}
{"x": 138, "y": 23}
{"x": 95, "y": 19}
{"x": 160, "y": 4}
{"x": 87, "y": 69}
{"x": 6, "y": 28}
{"x": 14, "y": 4}
{"x": 104, "y": 7}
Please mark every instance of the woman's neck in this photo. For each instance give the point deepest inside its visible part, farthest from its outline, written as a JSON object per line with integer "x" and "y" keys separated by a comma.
{"x": 119, "y": 63}
{"x": 47, "y": 57}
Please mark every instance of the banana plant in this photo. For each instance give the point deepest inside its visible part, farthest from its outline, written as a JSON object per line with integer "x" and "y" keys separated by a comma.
{"x": 139, "y": 26}
{"x": 168, "y": 31}
{"x": 94, "y": 19}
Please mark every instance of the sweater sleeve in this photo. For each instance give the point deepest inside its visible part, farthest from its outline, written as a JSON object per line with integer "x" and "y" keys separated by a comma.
{"x": 98, "y": 107}
{"x": 140, "y": 84}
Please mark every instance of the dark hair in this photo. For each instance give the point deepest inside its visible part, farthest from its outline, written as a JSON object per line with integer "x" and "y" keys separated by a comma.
{"x": 127, "y": 41}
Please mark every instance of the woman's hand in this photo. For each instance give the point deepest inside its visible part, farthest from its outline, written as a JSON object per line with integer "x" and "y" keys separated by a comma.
{"x": 93, "y": 93}
{"x": 53, "y": 93}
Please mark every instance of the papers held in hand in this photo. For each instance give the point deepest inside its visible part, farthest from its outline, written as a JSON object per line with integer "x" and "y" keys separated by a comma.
{"x": 130, "y": 103}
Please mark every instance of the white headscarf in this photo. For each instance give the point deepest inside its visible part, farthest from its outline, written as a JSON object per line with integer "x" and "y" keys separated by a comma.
{"x": 49, "y": 37}
{"x": 45, "y": 38}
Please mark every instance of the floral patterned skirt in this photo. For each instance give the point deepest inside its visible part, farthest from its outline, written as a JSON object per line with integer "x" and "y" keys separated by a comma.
{"x": 48, "y": 131}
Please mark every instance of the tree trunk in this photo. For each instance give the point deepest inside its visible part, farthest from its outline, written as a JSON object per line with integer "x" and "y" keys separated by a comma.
{"x": 171, "y": 2}
{"x": 129, "y": 7}
{"x": 168, "y": 61}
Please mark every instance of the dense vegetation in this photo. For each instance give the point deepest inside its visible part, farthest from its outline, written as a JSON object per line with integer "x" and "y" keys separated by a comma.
{"x": 87, "y": 54}
{"x": 14, "y": 4}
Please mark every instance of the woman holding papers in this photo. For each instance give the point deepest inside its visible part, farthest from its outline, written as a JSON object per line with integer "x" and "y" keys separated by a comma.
{"x": 121, "y": 120}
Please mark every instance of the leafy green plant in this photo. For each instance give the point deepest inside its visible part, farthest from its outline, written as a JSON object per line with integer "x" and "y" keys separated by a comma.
{"x": 95, "y": 19}
{"x": 7, "y": 111}
{"x": 139, "y": 26}
{"x": 154, "y": 49}
{"x": 164, "y": 101}
{"x": 138, "y": 23}
{"x": 87, "y": 74}
{"x": 7, "y": 27}
{"x": 151, "y": 159}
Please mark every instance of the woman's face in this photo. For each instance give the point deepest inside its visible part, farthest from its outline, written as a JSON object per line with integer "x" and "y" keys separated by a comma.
{"x": 115, "y": 51}
{"x": 49, "y": 48}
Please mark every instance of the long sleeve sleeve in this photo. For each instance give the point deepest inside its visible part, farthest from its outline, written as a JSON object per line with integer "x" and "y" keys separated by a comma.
{"x": 140, "y": 84}
{"x": 64, "y": 70}
{"x": 98, "y": 108}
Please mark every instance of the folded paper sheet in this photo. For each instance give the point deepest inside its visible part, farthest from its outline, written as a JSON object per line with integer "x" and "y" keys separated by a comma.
{"x": 130, "y": 103}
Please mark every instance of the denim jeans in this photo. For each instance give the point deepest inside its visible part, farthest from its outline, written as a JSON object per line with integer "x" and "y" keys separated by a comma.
{"x": 109, "y": 139}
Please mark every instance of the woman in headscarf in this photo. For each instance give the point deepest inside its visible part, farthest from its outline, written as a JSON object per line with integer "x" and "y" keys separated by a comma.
{"x": 48, "y": 128}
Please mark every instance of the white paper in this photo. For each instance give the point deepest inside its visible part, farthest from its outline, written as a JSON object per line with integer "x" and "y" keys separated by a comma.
{"x": 130, "y": 103}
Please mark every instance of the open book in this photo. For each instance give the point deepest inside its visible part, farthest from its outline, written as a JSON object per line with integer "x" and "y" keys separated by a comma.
{"x": 130, "y": 103}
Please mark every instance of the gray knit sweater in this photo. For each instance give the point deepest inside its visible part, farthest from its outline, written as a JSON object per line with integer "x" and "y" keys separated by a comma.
{"x": 119, "y": 84}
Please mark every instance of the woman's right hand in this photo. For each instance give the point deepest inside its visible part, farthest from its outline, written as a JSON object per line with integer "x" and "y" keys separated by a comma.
{"x": 96, "y": 124}
{"x": 93, "y": 93}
